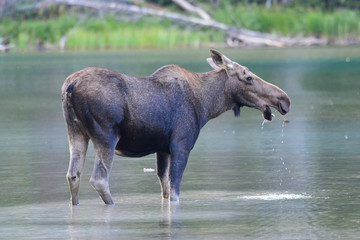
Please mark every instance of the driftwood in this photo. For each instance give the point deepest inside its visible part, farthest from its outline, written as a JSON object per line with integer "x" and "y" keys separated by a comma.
{"x": 192, "y": 9}
{"x": 5, "y": 46}
{"x": 250, "y": 38}
{"x": 235, "y": 36}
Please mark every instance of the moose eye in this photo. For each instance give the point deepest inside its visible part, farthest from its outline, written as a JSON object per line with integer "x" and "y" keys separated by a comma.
{"x": 249, "y": 78}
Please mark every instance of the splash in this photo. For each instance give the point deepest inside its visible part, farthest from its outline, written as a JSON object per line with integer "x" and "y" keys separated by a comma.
{"x": 274, "y": 197}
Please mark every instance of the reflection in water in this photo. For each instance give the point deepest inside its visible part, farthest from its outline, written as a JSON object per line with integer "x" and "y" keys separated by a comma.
{"x": 81, "y": 221}
{"x": 170, "y": 221}
{"x": 202, "y": 214}
{"x": 151, "y": 217}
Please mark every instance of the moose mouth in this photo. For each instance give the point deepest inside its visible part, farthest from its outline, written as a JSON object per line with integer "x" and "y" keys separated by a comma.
{"x": 267, "y": 114}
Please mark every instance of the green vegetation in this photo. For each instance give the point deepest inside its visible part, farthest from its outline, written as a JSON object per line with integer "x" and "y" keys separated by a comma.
{"x": 340, "y": 23}
{"x": 108, "y": 33}
{"x": 31, "y": 33}
{"x": 105, "y": 34}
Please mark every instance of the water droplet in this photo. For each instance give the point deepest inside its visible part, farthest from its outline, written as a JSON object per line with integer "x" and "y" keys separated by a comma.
{"x": 346, "y": 137}
{"x": 262, "y": 125}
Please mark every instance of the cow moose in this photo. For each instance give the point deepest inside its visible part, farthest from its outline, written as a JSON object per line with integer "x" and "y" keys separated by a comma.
{"x": 162, "y": 113}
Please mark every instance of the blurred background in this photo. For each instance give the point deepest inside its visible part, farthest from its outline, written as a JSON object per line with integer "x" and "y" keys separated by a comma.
{"x": 127, "y": 24}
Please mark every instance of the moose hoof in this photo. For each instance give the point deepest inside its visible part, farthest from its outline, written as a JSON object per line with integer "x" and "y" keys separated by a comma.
{"x": 75, "y": 202}
{"x": 174, "y": 199}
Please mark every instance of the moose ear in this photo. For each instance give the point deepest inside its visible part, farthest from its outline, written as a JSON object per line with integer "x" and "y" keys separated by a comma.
{"x": 220, "y": 60}
{"x": 211, "y": 63}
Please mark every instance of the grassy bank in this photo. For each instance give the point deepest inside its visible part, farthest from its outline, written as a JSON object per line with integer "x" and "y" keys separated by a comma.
{"x": 105, "y": 34}
{"x": 108, "y": 33}
{"x": 338, "y": 23}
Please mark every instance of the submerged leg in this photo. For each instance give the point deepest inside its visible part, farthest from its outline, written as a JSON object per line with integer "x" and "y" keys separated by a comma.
{"x": 104, "y": 154}
{"x": 78, "y": 144}
{"x": 163, "y": 164}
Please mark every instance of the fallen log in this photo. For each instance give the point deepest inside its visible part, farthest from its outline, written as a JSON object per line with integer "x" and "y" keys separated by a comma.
{"x": 239, "y": 38}
{"x": 5, "y": 47}
{"x": 192, "y": 9}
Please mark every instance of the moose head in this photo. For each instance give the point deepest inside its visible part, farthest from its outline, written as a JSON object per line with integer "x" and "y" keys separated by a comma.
{"x": 247, "y": 89}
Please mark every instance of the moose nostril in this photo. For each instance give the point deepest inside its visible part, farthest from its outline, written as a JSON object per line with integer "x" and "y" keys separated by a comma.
{"x": 284, "y": 108}
{"x": 284, "y": 103}
{"x": 282, "y": 98}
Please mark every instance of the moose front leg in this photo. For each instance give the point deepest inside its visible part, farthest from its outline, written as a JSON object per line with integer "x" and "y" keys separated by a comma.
{"x": 179, "y": 158}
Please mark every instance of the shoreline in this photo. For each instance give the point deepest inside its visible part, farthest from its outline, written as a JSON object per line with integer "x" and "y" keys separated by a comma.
{"x": 253, "y": 26}
{"x": 49, "y": 47}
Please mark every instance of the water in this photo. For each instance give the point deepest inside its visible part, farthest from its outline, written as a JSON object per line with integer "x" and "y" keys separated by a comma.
{"x": 296, "y": 177}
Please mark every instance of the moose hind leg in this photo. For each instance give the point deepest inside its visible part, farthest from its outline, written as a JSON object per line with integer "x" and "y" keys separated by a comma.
{"x": 163, "y": 164}
{"x": 104, "y": 155}
{"x": 78, "y": 144}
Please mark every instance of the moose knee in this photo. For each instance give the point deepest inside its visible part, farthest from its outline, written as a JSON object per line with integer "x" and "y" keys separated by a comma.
{"x": 99, "y": 184}
{"x": 73, "y": 178}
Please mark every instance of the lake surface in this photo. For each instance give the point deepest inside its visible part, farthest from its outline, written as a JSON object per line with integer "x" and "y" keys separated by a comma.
{"x": 244, "y": 180}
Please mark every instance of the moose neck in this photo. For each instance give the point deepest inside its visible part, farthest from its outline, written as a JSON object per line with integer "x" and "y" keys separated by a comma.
{"x": 213, "y": 94}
